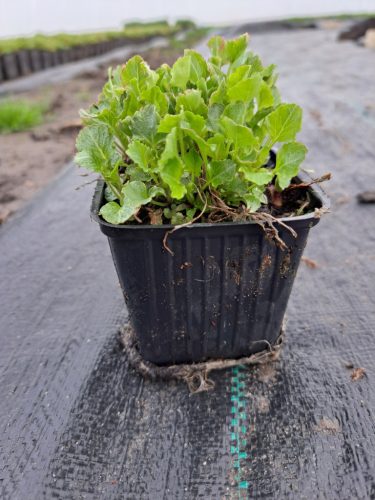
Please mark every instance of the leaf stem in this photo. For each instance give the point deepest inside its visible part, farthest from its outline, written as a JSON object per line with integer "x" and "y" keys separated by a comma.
{"x": 159, "y": 203}
{"x": 181, "y": 141}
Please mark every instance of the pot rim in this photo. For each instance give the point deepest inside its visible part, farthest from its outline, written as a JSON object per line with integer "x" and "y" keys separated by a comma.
{"x": 316, "y": 190}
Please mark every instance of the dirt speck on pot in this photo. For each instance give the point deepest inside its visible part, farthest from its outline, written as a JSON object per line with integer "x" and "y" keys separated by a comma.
{"x": 285, "y": 264}
{"x": 266, "y": 262}
{"x": 186, "y": 265}
{"x": 328, "y": 426}
{"x": 235, "y": 274}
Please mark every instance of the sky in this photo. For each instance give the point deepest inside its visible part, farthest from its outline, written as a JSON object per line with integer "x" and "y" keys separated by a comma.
{"x": 25, "y": 17}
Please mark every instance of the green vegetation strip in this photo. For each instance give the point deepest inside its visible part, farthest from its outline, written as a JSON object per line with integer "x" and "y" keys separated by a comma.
{"x": 65, "y": 41}
{"x": 16, "y": 116}
{"x": 239, "y": 428}
{"x": 338, "y": 17}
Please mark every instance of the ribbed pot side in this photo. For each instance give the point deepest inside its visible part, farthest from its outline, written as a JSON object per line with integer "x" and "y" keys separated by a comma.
{"x": 222, "y": 295}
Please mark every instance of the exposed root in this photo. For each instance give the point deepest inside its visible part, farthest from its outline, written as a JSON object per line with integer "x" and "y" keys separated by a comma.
{"x": 318, "y": 212}
{"x": 77, "y": 188}
{"x": 323, "y": 178}
{"x": 196, "y": 375}
{"x": 267, "y": 223}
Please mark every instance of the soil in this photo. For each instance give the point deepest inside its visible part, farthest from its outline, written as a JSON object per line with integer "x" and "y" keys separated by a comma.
{"x": 30, "y": 160}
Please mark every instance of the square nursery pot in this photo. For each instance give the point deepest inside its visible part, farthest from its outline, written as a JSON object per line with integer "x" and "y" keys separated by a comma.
{"x": 222, "y": 295}
{"x": 46, "y": 59}
{"x": 24, "y": 62}
{"x": 55, "y": 56}
{"x": 2, "y": 76}
{"x": 35, "y": 60}
{"x": 10, "y": 66}
{"x": 64, "y": 56}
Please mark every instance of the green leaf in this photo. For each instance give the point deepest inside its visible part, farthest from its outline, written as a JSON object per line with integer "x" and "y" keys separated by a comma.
{"x": 254, "y": 61}
{"x": 171, "y": 174}
{"x": 134, "y": 173}
{"x": 236, "y": 111}
{"x": 193, "y": 162}
{"x": 156, "y": 97}
{"x": 134, "y": 194}
{"x": 191, "y": 100}
{"x": 144, "y": 123}
{"x": 217, "y": 46}
{"x": 218, "y": 147}
{"x": 202, "y": 144}
{"x": 259, "y": 116}
{"x": 181, "y": 72}
{"x": 288, "y": 160}
{"x": 168, "y": 123}
{"x": 266, "y": 98}
{"x": 240, "y": 73}
{"x": 140, "y": 153}
{"x": 171, "y": 166}
{"x": 260, "y": 177}
{"x": 191, "y": 121}
{"x": 220, "y": 172}
{"x": 96, "y": 149}
{"x": 171, "y": 149}
{"x": 164, "y": 77}
{"x": 235, "y": 48}
{"x": 137, "y": 70}
{"x": 245, "y": 90}
{"x": 185, "y": 121}
{"x": 111, "y": 212}
{"x": 198, "y": 66}
{"x": 214, "y": 113}
{"x": 254, "y": 198}
{"x": 219, "y": 96}
{"x": 190, "y": 68}
{"x": 284, "y": 123}
{"x": 241, "y": 137}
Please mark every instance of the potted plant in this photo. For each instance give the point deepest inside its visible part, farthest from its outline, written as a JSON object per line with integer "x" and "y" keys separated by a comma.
{"x": 206, "y": 224}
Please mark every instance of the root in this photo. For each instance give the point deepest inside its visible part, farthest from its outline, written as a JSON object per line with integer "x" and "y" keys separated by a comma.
{"x": 267, "y": 223}
{"x": 196, "y": 375}
{"x": 323, "y": 178}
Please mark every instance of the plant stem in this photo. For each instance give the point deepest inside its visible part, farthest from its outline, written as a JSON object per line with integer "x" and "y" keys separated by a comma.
{"x": 182, "y": 145}
{"x": 159, "y": 203}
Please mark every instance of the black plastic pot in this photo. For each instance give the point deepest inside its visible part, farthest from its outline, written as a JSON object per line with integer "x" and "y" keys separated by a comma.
{"x": 24, "y": 62}
{"x": 222, "y": 295}
{"x": 10, "y": 66}
{"x": 2, "y": 76}
{"x": 35, "y": 60}
{"x": 55, "y": 58}
{"x": 46, "y": 57}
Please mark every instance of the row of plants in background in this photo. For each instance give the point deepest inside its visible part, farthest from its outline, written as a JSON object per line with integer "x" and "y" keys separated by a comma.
{"x": 66, "y": 41}
{"x": 22, "y": 56}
